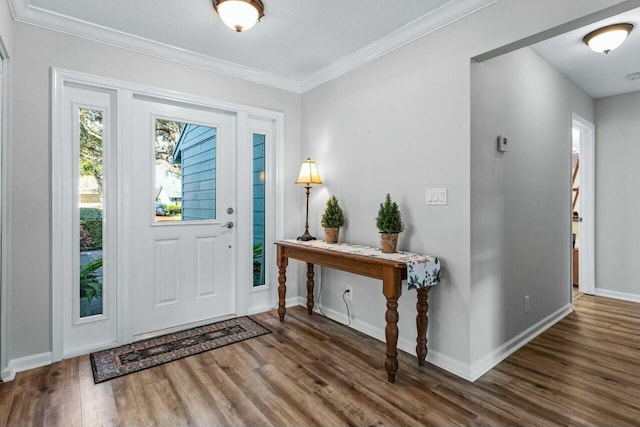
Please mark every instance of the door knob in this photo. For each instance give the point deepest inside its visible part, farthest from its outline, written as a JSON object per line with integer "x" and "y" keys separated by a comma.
{"x": 228, "y": 225}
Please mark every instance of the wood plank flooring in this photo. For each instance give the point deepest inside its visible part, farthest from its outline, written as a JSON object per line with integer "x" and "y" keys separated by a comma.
{"x": 314, "y": 372}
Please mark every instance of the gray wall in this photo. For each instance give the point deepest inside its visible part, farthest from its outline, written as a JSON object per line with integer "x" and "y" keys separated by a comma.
{"x": 6, "y": 38}
{"x": 520, "y": 200}
{"x": 6, "y": 26}
{"x": 401, "y": 124}
{"x": 36, "y": 51}
{"x": 617, "y": 195}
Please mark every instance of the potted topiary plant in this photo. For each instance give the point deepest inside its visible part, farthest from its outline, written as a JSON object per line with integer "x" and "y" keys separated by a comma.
{"x": 389, "y": 223}
{"x": 332, "y": 220}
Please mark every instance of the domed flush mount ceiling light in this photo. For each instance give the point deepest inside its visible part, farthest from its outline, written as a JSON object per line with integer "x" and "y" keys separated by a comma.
{"x": 239, "y": 14}
{"x": 604, "y": 40}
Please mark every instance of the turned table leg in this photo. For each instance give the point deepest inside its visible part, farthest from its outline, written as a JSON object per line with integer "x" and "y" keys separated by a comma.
{"x": 422, "y": 321}
{"x": 392, "y": 288}
{"x": 310, "y": 286}
{"x": 282, "y": 283}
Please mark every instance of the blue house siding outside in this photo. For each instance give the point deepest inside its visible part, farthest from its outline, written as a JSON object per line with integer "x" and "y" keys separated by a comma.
{"x": 258, "y": 206}
{"x": 196, "y": 152}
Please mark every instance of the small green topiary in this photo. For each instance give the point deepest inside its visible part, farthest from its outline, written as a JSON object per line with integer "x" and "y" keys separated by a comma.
{"x": 332, "y": 216}
{"x": 389, "y": 219}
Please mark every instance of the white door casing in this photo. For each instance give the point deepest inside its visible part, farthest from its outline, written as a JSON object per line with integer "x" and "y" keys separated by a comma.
{"x": 182, "y": 272}
{"x": 249, "y": 300}
{"x": 81, "y": 335}
{"x": 586, "y": 203}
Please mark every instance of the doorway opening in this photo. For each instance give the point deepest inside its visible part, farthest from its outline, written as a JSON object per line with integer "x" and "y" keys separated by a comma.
{"x": 583, "y": 205}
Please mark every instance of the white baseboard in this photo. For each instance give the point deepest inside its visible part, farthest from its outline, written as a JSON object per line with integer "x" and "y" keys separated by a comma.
{"x": 293, "y": 301}
{"x": 25, "y": 363}
{"x": 366, "y": 328}
{"x": 447, "y": 363}
{"x": 262, "y": 309}
{"x": 617, "y": 295}
{"x": 497, "y": 355}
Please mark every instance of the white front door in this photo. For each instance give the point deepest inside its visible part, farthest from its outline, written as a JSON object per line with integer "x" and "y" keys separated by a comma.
{"x": 182, "y": 238}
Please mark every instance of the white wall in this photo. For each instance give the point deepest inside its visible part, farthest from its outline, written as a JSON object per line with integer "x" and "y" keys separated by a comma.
{"x": 401, "y": 124}
{"x": 36, "y": 51}
{"x": 520, "y": 200}
{"x": 617, "y": 200}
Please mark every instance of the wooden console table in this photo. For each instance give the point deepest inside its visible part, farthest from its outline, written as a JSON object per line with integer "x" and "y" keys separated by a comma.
{"x": 391, "y": 272}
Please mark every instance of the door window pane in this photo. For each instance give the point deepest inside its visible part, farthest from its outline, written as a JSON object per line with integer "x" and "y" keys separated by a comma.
{"x": 91, "y": 208}
{"x": 258, "y": 210}
{"x": 185, "y": 186}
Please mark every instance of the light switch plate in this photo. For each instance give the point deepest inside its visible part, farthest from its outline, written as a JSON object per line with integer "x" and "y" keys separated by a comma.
{"x": 436, "y": 197}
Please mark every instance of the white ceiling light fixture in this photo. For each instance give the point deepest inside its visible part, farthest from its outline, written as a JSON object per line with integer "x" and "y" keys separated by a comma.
{"x": 239, "y": 15}
{"x": 604, "y": 40}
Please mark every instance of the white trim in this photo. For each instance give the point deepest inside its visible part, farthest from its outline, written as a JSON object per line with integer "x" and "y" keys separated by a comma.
{"x": 455, "y": 366}
{"x": 279, "y": 168}
{"x": 124, "y": 93}
{"x": 487, "y": 362}
{"x": 463, "y": 370}
{"x": 444, "y": 15}
{"x": 295, "y": 301}
{"x": 29, "y": 14}
{"x": 81, "y": 334}
{"x": 57, "y": 236}
{"x": 440, "y": 360}
{"x": 420, "y": 27}
{"x": 244, "y": 185}
{"x": 274, "y": 186}
{"x": 24, "y": 364}
{"x": 586, "y": 204}
{"x": 124, "y": 201}
{"x": 617, "y": 295}
{"x": 5, "y": 189}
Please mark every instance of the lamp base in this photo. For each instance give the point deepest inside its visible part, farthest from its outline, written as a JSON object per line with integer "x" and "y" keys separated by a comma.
{"x": 306, "y": 237}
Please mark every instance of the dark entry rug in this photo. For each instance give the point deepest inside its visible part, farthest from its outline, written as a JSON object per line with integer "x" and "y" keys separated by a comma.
{"x": 113, "y": 363}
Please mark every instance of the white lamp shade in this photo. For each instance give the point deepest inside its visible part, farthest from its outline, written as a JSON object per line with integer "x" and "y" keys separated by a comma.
{"x": 308, "y": 173}
{"x": 238, "y": 14}
{"x": 608, "y": 38}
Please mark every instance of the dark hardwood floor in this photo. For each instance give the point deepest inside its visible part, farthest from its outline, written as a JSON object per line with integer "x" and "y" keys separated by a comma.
{"x": 312, "y": 371}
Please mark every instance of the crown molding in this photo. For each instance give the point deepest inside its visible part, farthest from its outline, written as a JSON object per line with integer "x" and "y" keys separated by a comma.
{"x": 450, "y": 12}
{"x": 24, "y": 12}
{"x": 420, "y": 27}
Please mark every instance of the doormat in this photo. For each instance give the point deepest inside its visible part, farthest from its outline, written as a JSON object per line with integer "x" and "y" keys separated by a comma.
{"x": 119, "y": 361}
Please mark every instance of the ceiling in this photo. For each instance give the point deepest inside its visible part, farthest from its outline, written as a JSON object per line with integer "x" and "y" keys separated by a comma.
{"x": 597, "y": 74}
{"x": 301, "y": 44}
{"x": 298, "y": 45}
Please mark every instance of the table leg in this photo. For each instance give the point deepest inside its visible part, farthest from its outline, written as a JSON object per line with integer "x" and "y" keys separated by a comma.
{"x": 282, "y": 283}
{"x": 422, "y": 321}
{"x": 392, "y": 288}
{"x": 310, "y": 286}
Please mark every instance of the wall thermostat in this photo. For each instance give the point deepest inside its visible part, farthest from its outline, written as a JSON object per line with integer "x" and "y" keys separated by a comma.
{"x": 503, "y": 144}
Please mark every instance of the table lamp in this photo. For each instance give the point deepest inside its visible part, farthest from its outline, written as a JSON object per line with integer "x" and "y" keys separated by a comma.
{"x": 308, "y": 176}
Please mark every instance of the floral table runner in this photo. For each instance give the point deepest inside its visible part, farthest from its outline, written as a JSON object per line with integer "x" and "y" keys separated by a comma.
{"x": 422, "y": 270}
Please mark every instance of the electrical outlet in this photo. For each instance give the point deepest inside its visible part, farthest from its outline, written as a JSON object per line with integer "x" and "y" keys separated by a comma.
{"x": 349, "y": 292}
{"x": 527, "y": 304}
